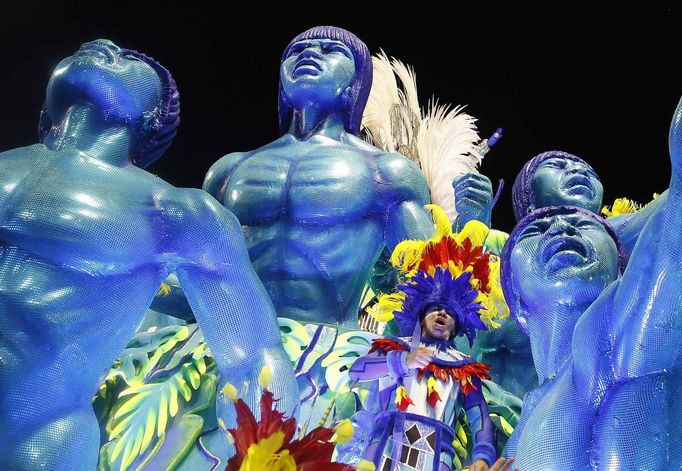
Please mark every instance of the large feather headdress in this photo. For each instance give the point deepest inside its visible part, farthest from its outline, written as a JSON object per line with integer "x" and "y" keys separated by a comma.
{"x": 443, "y": 141}
{"x": 447, "y": 260}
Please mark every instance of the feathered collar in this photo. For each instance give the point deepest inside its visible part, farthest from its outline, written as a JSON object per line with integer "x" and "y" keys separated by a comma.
{"x": 461, "y": 371}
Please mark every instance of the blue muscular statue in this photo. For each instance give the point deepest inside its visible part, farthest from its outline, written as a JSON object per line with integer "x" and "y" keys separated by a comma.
{"x": 86, "y": 237}
{"x": 318, "y": 205}
{"x": 552, "y": 178}
{"x": 612, "y": 399}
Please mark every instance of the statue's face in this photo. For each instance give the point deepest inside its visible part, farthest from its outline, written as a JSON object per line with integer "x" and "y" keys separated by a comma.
{"x": 317, "y": 72}
{"x": 559, "y": 181}
{"x": 122, "y": 88}
{"x": 438, "y": 324}
{"x": 562, "y": 258}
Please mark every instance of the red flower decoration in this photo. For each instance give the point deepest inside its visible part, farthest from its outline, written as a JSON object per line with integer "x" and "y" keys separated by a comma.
{"x": 311, "y": 453}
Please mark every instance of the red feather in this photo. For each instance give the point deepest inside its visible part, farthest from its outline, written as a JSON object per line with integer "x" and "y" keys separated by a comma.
{"x": 405, "y": 402}
{"x": 386, "y": 345}
{"x": 433, "y": 398}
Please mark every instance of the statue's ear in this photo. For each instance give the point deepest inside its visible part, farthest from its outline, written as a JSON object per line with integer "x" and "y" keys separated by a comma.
{"x": 150, "y": 121}
{"x": 520, "y": 314}
{"x": 346, "y": 95}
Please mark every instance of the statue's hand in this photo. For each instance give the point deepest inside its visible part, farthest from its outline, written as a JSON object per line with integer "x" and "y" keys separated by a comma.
{"x": 473, "y": 198}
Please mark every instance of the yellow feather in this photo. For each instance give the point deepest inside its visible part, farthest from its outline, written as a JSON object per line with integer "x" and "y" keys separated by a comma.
{"x": 265, "y": 377}
{"x": 475, "y": 231}
{"x": 230, "y": 392}
{"x": 386, "y": 304}
{"x": 441, "y": 222}
{"x": 407, "y": 254}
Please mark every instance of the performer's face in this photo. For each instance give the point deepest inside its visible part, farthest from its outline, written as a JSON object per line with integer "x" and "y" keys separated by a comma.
{"x": 438, "y": 324}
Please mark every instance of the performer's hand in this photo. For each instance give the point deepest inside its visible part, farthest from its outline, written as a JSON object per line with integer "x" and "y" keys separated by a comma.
{"x": 419, "y": 358}
{"x": 501, "y": 464}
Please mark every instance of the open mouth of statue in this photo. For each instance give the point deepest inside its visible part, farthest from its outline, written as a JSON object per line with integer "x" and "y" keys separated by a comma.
{"x": 578, "y": 183}
{"x": 563, "y": 251}
{"x": 307, "y": 67}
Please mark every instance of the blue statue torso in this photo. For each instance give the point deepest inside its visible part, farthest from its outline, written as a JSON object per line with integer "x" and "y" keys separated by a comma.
{"x": 314, "y": 216}
{"x": 75, "y": 281}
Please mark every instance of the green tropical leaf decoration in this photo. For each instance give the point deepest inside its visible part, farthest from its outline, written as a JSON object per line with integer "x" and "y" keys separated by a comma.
{"x": 502, "y": 424}
{"x": 153, "y": 390}
{"x": 349, "y": 347}
{"x": 503, "y": 404}
{"x": 295, "y": 337}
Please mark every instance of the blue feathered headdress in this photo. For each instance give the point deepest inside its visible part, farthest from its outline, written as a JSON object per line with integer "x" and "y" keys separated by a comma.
{"x": 456, "y": 296}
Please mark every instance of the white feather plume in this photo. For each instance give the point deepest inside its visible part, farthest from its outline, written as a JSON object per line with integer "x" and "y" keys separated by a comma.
{"x": 448, "y": 148}
{"x": 376, "y": 119}
{"x": 443, "y": 142}
{"x": 408, "y": 80}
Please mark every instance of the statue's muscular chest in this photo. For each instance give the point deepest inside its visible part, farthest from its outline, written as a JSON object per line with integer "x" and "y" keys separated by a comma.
{"x": 302, "y": 182}
{"x": 79, "y": 215}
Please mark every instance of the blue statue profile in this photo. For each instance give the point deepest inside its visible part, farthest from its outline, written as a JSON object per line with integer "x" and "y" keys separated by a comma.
{"x": 87, "y": 236}
{"x": 318, "y": 205}
{"x": 608, "y": 351}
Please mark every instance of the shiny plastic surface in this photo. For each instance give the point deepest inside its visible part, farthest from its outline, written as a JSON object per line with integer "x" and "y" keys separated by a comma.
{"x": 318, "y": 205}
{"x": 85, "y": 240}
{"x": 614, "y": 401}
{"x": 556, "y": 178}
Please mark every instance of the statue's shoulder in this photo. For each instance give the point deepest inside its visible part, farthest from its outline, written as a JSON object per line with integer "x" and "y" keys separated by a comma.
{"x": 362, "y": 145}
{"x": 403, "y": 176}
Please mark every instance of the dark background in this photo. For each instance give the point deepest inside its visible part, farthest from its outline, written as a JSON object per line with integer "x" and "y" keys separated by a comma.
{"x": 601, "y": 84}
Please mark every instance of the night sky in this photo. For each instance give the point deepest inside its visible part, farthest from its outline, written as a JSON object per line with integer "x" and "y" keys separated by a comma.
{"x": 600, "y": 84}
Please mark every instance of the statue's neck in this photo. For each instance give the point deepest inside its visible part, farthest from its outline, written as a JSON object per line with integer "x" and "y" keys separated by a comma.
{"x": 83, "y": 129}
{"x": 551, "y": 334}
{"x": 310, "y": 121}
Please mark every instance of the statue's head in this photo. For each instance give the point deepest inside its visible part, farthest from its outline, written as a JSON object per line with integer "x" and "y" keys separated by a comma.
{"x": 556, "y": 178}
{"x": 325, "y": 67}
{"x": 558, "y": 256}
{"x": 124, "y": 87}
